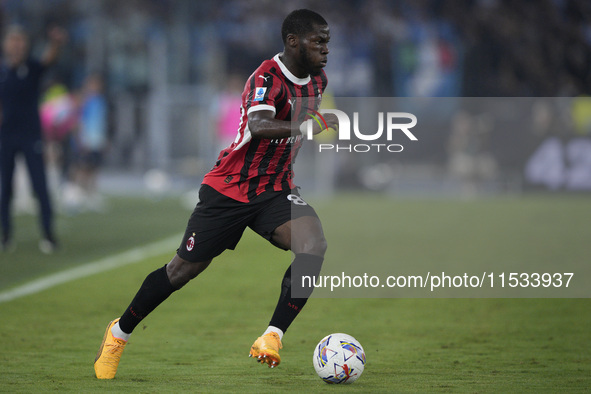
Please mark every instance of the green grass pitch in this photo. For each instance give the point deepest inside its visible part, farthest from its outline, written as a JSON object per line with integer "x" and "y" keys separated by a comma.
{"x": 198, "y": 340}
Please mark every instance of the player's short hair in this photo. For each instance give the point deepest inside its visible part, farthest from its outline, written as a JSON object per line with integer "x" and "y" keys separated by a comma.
{"x": 300, "y": 22}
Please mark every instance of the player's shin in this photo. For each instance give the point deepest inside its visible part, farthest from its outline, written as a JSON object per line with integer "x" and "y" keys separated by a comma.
{"x": 296, "y": 288}
{"x": 155, "y": 289}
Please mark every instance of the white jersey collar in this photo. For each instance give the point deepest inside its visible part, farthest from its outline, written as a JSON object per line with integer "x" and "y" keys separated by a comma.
{"x": 289, "y": 75}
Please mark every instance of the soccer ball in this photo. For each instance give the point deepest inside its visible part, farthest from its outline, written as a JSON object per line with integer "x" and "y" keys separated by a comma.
{"x": 339, "y": 358}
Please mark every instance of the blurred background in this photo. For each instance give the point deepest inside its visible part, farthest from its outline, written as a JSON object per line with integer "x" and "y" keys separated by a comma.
{"x": 147, "y": 92}
{"x": 171, "y": 73}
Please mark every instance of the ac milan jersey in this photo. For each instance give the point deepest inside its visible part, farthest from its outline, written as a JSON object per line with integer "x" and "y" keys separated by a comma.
{"x": 249, "y": 167}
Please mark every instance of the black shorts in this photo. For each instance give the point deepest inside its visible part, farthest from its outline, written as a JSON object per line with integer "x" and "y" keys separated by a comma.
{"x": 218, "y": 221}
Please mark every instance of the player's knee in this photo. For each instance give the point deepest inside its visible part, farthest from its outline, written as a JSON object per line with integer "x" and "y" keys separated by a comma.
{"x": 180, "y": 271}
{"x": 181, "y": 276}
{"x": 315, "y": 245}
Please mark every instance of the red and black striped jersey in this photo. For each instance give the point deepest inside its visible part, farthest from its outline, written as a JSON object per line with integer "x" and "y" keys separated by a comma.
{"x": 249, "y": 167}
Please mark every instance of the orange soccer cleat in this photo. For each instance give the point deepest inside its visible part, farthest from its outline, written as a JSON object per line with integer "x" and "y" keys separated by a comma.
{"x": 109, "y": 354}
{"x": 266, "y": 349}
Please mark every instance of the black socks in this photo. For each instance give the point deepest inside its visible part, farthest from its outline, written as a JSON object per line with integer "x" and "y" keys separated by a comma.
{"x": 155, "y": 289}
{"x": 287, "y": 307}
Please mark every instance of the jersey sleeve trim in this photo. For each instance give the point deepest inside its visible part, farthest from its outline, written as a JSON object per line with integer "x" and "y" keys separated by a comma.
{"x": 261, "y": 107}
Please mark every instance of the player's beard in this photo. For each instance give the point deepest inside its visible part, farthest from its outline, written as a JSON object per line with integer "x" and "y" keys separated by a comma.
{"x": 307, "y": 63}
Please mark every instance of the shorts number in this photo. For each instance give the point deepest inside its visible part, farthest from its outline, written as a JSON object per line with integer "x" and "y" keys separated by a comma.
{"x": 297, "y": 200}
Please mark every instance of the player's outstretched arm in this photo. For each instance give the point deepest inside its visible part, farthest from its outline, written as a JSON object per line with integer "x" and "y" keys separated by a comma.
{"x": 262, "y": 124}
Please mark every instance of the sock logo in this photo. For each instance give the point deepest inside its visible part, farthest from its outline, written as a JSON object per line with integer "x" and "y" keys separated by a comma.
{"x": 191, "y": 243}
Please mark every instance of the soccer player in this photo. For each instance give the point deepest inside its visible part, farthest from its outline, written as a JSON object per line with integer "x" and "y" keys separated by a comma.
{"x": 20, "y": 129}
{"x": 250, "y": 186}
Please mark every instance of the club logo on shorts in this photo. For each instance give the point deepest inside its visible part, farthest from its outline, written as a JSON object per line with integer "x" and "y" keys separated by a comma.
{"x": 191, "y": 243}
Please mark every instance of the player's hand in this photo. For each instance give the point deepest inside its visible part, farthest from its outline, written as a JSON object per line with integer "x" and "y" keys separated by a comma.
{"x": 331, "y": 121}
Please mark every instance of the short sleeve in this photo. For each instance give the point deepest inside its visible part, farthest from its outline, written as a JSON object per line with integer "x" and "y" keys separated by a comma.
{"x": 264, "y": 89}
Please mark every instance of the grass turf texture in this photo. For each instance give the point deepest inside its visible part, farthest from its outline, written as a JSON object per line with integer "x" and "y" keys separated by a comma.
{"x": 127, "y": 222}
{"x": 199, "y": 339}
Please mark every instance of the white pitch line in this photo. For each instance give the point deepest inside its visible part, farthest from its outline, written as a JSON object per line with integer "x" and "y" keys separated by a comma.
{"x": 131, "y": 256}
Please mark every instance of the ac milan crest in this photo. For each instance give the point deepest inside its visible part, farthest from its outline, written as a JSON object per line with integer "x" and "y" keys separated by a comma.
{"x": 190, "y": 243}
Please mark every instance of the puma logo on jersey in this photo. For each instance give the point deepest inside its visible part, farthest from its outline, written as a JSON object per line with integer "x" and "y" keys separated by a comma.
{"x": 265, "y": 78}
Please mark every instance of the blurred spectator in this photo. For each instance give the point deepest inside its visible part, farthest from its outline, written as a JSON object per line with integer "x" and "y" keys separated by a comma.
{"x": 58, "y": 112}
{"x": 228, "y": 111}
{"x": 20, "y": 130}
{"x": 89, "y": 144}
{"x": 59, "y": 117}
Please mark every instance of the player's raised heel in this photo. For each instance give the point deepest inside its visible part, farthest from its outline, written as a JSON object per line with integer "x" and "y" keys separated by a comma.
{"x": 109, "y": 354}
{"x": 266, "y": 349}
